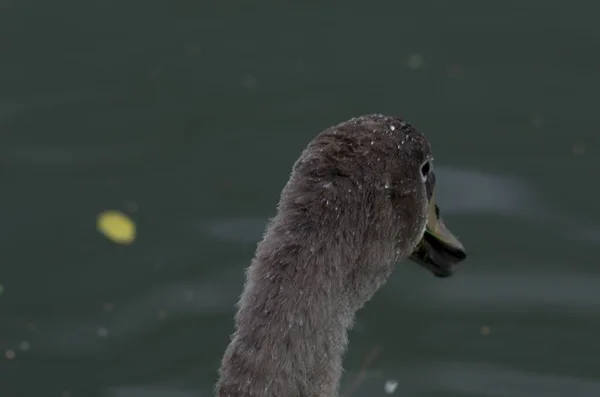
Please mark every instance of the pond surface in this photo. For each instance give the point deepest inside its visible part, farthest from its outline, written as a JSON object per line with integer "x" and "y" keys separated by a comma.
{"x": 188, "y": 116}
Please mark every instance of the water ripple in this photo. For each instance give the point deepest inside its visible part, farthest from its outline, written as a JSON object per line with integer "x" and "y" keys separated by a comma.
{"x": 556, "y": 291}
{"x": 150, "y": 391}
{"x": 495, "y": 381}
{"x": 84, "y": 336}
{"x": 460, "y": 192}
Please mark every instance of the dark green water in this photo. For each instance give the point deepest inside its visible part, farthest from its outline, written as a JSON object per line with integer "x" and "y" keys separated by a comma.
{"x": 189, "y": 115}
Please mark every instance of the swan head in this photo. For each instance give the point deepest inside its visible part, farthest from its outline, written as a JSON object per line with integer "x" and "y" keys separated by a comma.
{"x": 374, "y": 176}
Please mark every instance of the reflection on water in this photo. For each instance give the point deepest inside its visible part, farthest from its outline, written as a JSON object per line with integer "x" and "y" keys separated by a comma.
{"x": 495, "y": 381}
{"x": 151, "y": 391}
{"x": 460, "y": 192}
{"x": 470, "y": 191}
{"x": 27, "y": 106}
{"x": 460, "y": 378}
{"x": 243, "y": 230}
{"x": 127, "y": 320}
{"x": 530, "y": 288}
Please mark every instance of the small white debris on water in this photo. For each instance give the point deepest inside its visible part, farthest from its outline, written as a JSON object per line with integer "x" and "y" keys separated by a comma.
{"x": 415, "y": 61}
{"x": 189, "y": 295}
{"x": 162, "y": 314}
{"x": 249, "y": 81}
{"x": 24, "y": 346}
{"x": 102, "y": 332}
{"x": 390, "y": 386}
{"x": 392, "y": 127}
{"x": 537, "y": 121}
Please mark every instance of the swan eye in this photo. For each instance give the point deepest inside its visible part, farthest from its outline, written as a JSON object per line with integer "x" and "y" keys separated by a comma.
{"x": 425, "y": 168}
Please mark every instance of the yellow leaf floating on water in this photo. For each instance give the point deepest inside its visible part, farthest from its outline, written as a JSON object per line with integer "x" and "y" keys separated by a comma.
{"x": 116, "y": 226}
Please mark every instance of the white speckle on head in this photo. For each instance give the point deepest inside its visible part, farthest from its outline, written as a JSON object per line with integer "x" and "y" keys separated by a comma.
{"x": 403, "y": 124}
{"x": 327, "y": 185}
{"x": 392, "y": 127}
{"x": 387, "y": 185}
{"x": 372, "y": 142}
{"x": 423, "y": 230}
{"x": 424, "y": 227}
{"x": 390, "y": 386}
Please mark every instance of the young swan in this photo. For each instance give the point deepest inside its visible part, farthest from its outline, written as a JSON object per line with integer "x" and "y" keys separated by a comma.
{"x": 360, "y": 199}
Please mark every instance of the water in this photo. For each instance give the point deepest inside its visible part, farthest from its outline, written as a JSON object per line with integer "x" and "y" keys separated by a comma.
{"x": 188, "y": 117}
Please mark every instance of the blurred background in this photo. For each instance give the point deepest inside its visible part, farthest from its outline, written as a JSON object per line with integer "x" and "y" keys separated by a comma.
{"x": 144, "y": 144}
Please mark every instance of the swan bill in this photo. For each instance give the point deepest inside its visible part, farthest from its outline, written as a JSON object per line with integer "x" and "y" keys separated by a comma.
{"x": 439, "y": 250}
